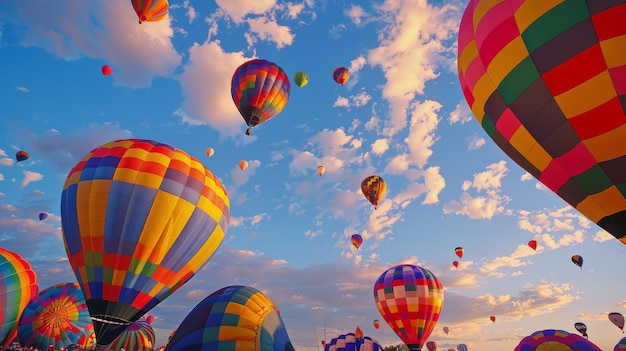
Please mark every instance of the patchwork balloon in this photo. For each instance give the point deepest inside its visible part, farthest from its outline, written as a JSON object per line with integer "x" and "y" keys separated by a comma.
{"x": 56, "y": 316}
{"x": 547, "y": 82}
{"x": 410, "y": 299}
{"x": 236, "y": 318}
{"x": 139, "y": 218}
{"x": 138, "y": 336}
{"x": 18, "y": 284}
{"x": 348, "y": 342}
{"x": 260, "y": 90}
{"x": 557, "y": 340}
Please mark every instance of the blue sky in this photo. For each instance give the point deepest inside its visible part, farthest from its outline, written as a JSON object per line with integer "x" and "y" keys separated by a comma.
{"x": 401, "y": 116}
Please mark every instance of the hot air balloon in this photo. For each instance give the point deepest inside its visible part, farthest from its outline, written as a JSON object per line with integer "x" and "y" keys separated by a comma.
{"x": 455, "y": 264}
{"x": 43, "y": 216}
{"x": 582, "y": 328}
{"x": 578, "y": 260}
{"x": 446, "y": 330}
{"x": 621, "y": 345}
{"x": 356, "y": 240}
{"x": 461, "y": 347}
{"x": 243, "y": 164}
{"x": 557, "y": 340}
{"x": 301, "y": 79}
{"x": 18, "y": 286}
{"x": 260, "y": 90}
{"x": 323, "y": 342}
{"x": 533, "y": 244}
{"x": 459, "y": 251}
{"x": 321, "y": 170}
{"x": 376, "y": 323}
{"x": 373, "y": 188}
{"x": 150, "y": 10}
{"x": 617, "y": 319}
{"x": 348, "y": 342}
{"x": 341, "y": 75}
{"x": 209, "y": 151}
{"x": 551, "y": 95}
{"x": 146, "y": 214}
{"x": 233, "y": 318}
{"x": 138, "y": 336}
{"x": 431, "y": 346}
{"x": 22, "y": 156}
{"x": 150, "y": 319}
{"x": 410, "y": 299}
{"x": 56, "y": 316}
{"x": 106, "y": 70}
{"x": 492, "y": 318}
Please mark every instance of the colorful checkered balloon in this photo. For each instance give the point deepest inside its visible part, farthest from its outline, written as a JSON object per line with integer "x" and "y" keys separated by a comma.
{"x": 410, "y": 299}
{"x": 547, "y": 82}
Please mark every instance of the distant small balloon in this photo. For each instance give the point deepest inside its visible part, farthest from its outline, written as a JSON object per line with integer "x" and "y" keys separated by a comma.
{"x": 459, "y": 251}
{"x": 209, "y": 151}
{"x": 446, "y": 330}
{"x": 582, "y": 328}
{"x": 321, "y": 170}
{"x": 578, "y": 260}
{"x": 22, "y": 156}
{"x": 431, "y": 346}
{"x": 43, "y": 216}
{"x": 106, "y": 70}
{"x": 533, "y": 244}
{"x": 493, "y": 318}
{"x": 356, "y": 240}
{"x": 243, "y": 164}
{"x": 341, "y": 75}
{"x": 617, "y": 319}
{"x": 376, "y": 323}
{"x": 150, "y": 319}
{"x": 301, "y": 79}
{"x": 455, "y": 263}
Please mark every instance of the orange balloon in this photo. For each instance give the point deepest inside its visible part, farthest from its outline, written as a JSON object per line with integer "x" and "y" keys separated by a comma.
{"x": 243, "y": 164}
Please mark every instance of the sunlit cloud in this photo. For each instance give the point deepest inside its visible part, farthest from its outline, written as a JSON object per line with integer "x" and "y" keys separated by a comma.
{"x": 30, "y": 177}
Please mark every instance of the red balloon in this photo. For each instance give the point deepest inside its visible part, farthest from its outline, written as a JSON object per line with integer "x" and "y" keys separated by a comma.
{"x": 493, "y": 318}
{"x": 533, "y": 244}
{"x": 455, "y": 263}
{"x": 106, "y": 70}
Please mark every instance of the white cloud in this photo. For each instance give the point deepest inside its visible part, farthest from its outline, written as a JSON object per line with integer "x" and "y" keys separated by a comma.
{"x": 380, "y": 146}
{"x": 424, "y": 122}
{"x": 341, "y": 102}
{"x": 357, "y": 14}
{"x": 476, "y": 142}
{"x": 237, "y": 10}
{"x": 30, "y": 177}
{"x": 602, "y": 236}
{"x": 461, "y": 114}
{"x": 22, "y": 89}
{"x": 269, "y": 30}
{"x": 293, "y": 10}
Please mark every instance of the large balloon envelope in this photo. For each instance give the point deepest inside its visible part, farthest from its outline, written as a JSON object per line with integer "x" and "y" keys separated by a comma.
{"x": 18, "y": 284}
{"x": 410, "y": 299}
{"x": 56, "y": 316}
{"x": 260, "y": 90}
{"x": 236, "y": 318}
{"x": 621, "y": 345}
{"x": 150, "y": 10}
{"x": 547, "y": 82}
{"x": 139, "y": 219}
{"x": 373, "y": 188}
{"x": 555, "y": 340}
{"x": 138, "y": 336}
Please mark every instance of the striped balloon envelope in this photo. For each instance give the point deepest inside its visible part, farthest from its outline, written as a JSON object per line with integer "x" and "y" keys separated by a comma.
{"x": 56, "y": 316}
{"x": 410, "y": 299}
{"x": 554, "y": 339}
{"x": 150, "y": 10}
{"x": 18, "y": 284}
{"x": 139, "y": 218}
{"x": 462, "y": 347}
{"x": 234, "y": 318}
{"x": 138, "y": 336}
{"x": 621, "y": 345}
{"x": 547, "y": 81}
{"x": 260, "y": 90}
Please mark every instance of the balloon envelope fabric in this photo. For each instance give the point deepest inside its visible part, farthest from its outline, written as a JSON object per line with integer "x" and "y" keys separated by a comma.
{"x": 234, "y": 318}
{"x": 18, "y": 284}
{"x": 547, "y": 82}
{"x": 139, "y": 218}
{"x": 56, "y": 316}
{"x": 557, "y": 340}
{"x": 621, "y": 345}
{"x": 138, "y": 336}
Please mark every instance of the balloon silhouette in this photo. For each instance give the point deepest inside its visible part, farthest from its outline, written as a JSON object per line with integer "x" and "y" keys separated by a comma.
{"x": 376, "y": 323}
{"x": 582, "y": 328}
{"x": 56, "y": 316}
{"x": 617, "y": 319}
{"x": 22, "y": 156}
{"x": 150, "y": 10}
{"x": 578, "y": 260}
{"x": 106, "y": 70}
{"x": 260, "y": 90}
{"x": 43, "y": 216}
{"x": 492, "y": 318}
{"x": 431, "y": 346}
{"x": 139, "y": 218}
{"x": 18, "y": 284}
{"x": 455, "y": 264}
{"x": 349, "y": 342}
{"x": 459, "y": 251}
{"x": 547, "y": 84}
{"x": 552, "y": 339}
{"x": 410, "y": 299}
{"x": 234, "y": 318}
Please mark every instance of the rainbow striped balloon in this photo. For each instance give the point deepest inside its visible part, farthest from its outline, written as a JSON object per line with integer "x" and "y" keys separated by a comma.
{"x": 260, "y": 90}
{"x": 18, "y": 284}
{"x": 547, "y": 82}
{"x": 235, "y": 318}
{"x": 554, "y": 339}
{"x": 150, "y": 10}
{"x": 410, "y": 299}
{"x": 139, "y": 218}
{"x": 56, "y": 316}
{"x": 621, "y": 345}
{"x": 138, "y": 336}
